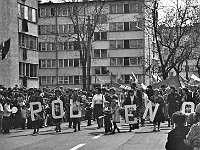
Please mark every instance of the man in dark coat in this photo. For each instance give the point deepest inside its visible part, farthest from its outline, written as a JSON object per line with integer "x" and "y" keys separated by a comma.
{"x": 173, "y": 100}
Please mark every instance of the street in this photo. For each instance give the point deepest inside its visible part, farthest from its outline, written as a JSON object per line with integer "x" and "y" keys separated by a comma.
{"x": 89, "y": 138}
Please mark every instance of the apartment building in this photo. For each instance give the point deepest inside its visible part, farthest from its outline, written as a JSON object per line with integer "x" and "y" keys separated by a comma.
{"x": 19, "y": 24}
{"x": 118, "y": 44}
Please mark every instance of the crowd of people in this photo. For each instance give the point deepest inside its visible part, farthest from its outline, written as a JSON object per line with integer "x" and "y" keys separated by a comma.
{"x": 102, "y": 104}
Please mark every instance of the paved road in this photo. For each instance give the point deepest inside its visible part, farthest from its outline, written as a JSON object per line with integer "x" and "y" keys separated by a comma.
{"x": 89, "y": 138}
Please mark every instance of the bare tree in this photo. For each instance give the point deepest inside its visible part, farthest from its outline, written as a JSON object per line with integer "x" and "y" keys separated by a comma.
{"x": 86, "y": 18}
{"x": 175, "y": 33}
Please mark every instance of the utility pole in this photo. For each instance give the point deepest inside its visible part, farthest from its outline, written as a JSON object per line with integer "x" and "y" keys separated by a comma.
{"x": 88, "y": 54}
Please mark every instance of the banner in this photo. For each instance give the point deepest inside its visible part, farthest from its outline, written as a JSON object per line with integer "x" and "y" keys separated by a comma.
{"x": 34, "y": 111}
{"x": 152, "y": 113}
{"x": 188, "y": 108}
{"x": 75, "y": 109}
{"x": 130, "y": 114}
{"x": 57, "y": 109}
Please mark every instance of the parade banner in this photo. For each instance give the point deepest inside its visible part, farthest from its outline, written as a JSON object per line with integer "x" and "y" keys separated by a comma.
{"x": 130, "y": 114}
{"x": 57, "y": 106}
{"x": 152, "y": 113}
{"x": 36, "y": 110}
{"x": 187, "y": 108}
{"x": 75, "y": 109}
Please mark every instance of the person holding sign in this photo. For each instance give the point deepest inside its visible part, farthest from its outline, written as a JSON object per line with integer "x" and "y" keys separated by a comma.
{"x": 159, "y": 117}
{"x": 132, "y": 99}
{"x": 58, "y": 105}
{"x": 36, "y": 104}
{"x": 76, "y": 109}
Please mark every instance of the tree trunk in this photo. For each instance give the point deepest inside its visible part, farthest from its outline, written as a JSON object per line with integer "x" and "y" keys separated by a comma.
{"x": 84, "y": 74}
{"x": 165, "y": 75}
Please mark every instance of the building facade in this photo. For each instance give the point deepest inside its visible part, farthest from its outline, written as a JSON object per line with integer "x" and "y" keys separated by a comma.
{"x": 19, "y": 24}
{"x": 118, "y": 45}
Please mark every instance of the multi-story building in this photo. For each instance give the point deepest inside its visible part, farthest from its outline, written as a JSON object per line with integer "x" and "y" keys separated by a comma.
{"x": 118, "y": 46}
{"x": 19, "y": 24}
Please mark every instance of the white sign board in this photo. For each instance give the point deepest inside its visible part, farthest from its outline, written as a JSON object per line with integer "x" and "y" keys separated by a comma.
{"x": 130, "y": 114}
{"x": 75, "y": 109}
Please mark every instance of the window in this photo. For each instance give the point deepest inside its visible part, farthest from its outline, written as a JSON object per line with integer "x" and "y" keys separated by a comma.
{"x": 61, "y": 46}
{"x": 53, "y": 11}
{"x": 113, "y": 61}
{"x": 104, "y": 53}
{"x": 126, "y": 61}
{"x": 140, "y": 60}
{"x": 66, "y": 80}
{"x": 119, "y": 26}
{"x": 103, "y": 35}
{"x": 76, "y": 45}
{"x": 20, "y": 69}
{"x": 113, "y": 9}
{"x": 112, "y": 44}
{"x": 120, "y": 8}
{"x": 120, "y": 62}
{"x": 65, "y": 62}
{"x": 133, "y": 43}
{"x": 120, "y": 44}
{"x": 60, "y": 80}
{"x": 126, "y": 26}
{"x": 27, "y": 41}
{"x": 30, "y": 14}
{"x": 76, "y": 62}
{"x": 48, "y": 63}
{"x": 126, "y": 79}
{"x": 126, "y": 8}
{"x": 126, "y": 44}
{"x": 100, "y": 36}
{"x": 42, "y": 12}
{"x": 76, "y": 80}
{"x": 100, "y": 53}
{"x": 104, "y": 70}
{"x": 140, "y": 43}
{"x": 53, "y": 63}
{"x": 33, "y": 70}
{"x": 60, "y": 63}
{"x": 71, "y": 80}
{"x": 133, "y": 61}
{"x": 97, "y": 36}
{"x": 97, "y": 70}
{"x": 112, "y": 26}
{"x": 60, "y": 29}
{"x": 71, "y": 62}
{"x": 27, "y": 70}
{"x": 97, "y": 53}
{"x": 43, "y": 63}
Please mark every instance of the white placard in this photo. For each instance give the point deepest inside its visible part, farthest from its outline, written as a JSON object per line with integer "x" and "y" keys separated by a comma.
{"x": 14, "y": 110}
{"x": 75, "y": 109}
{"x": 151, "y": 112}
{"x": 54, "y": 107}
{"x": 187, "y": 108}
{"x": 35, "y": 111}
{"x": 130, "y": 112}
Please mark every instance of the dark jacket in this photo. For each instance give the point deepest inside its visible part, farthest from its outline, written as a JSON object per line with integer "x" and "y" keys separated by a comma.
{"x": 175, "y": 140}
{"x": 173, "y": 100}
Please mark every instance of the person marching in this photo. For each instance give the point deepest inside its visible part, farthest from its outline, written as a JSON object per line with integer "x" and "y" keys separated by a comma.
{"x": 6, "y": 116}
{"x": 58, "y": 96}
{"x": 98, "y": 101}
{"x": 131, "y": 99}
{"x": 159, "y": 117}
{"x": 77, "y": 100}
{"x": 88, "y": 113}
{"x": 115, "y": 111}
{"x": 107, "y": 117}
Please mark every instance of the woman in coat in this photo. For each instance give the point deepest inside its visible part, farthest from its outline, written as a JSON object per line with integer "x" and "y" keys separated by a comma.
{"x": 115, "y": 111}
{"x": 159, "y": 117}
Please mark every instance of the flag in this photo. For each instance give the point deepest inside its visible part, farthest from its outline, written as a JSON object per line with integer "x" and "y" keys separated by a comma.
{"x": 133, "y": 78}
{"x": 5, "y": 48}
{"x": 99, "y": 80}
